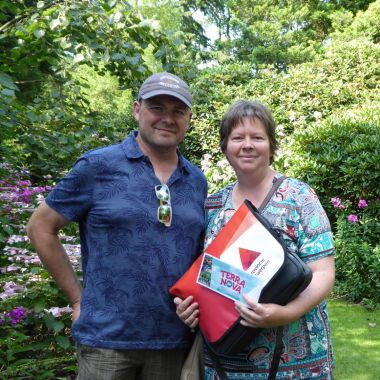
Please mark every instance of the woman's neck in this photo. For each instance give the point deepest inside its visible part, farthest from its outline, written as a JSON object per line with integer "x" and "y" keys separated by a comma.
{"x": 254, "y": 188}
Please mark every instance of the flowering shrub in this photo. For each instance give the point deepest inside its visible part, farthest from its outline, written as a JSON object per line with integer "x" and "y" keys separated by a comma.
{"x": 13, "y": 317}
{"x": 35, "y": 320}
{"x": 338, "y": 155}
{"x": 358, "y": 250}
{"x": 17, "y": 196}
{"x": 218, "y": 174}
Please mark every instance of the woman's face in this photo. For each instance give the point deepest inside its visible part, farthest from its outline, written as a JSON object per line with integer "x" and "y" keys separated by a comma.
{"x": 248, "y": 148}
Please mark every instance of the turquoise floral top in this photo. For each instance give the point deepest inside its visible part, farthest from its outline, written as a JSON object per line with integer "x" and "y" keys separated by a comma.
{"x": 294, "y": 210}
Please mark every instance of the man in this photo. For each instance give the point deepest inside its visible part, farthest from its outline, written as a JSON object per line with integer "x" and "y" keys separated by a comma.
{"x": 139, "y": 205}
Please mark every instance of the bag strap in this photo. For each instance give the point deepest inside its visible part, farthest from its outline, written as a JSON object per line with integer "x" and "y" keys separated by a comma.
{"x": 279, "y": 346}
{"x": 215, "y": 360}
{"x": 273, "y": 189}
{"x": 277, "y": 353}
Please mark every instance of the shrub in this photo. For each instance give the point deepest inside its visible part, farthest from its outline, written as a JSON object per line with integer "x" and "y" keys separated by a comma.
{"x": 34, "y": 318}
{"x": 218, "y": 175}
{"x": 345, "y": 77}
{"x": 358, "y": 251}
{"x": 339, "y": 156}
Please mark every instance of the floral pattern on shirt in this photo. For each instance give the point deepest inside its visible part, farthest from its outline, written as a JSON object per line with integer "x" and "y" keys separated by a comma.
{"x": 295, "y": 211}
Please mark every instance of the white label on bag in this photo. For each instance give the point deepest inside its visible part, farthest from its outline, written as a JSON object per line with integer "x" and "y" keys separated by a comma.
{"x": 228, "y": 280}
{"x": 257, "y": 252}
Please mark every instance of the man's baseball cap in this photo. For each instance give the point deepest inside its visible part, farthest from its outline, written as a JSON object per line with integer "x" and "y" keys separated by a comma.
{"x": 165, "y": 84}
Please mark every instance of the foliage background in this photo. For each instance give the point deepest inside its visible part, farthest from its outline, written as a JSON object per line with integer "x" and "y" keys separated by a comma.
{"x": 69, "y": 72}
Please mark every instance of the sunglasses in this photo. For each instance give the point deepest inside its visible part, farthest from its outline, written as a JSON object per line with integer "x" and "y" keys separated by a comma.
{"x": 164, "y": 211}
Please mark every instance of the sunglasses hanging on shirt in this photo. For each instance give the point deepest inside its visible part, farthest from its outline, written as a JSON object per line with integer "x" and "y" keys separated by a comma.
{"x": 164, "y": 211}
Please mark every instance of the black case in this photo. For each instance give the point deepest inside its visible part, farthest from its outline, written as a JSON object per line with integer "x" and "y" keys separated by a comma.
{"x": 292, "y": 278}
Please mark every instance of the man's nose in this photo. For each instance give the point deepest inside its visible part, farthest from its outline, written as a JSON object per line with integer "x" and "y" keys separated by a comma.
{"x": 168, "y": 116}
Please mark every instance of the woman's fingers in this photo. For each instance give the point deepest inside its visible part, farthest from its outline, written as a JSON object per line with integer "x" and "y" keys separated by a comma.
{"x": 252, "y": 313}
{"x": 187, "y": 310}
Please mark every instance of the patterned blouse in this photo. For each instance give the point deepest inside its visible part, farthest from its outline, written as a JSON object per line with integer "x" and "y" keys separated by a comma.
{"x": 296, "y": 212}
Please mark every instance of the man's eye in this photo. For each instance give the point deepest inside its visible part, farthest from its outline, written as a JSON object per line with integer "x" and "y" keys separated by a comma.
{"x": 180, "y": 112}
{"x": 156, "y": 108}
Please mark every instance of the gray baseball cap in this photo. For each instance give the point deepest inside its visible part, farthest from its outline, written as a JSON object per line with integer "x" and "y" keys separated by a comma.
{"x": 165, "y": 84}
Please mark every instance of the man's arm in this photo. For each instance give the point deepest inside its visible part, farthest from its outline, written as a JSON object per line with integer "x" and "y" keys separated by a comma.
{"x": 42, "y": 229}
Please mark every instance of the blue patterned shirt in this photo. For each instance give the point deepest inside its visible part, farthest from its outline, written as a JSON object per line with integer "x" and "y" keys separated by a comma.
{"x": 129, "y": 259}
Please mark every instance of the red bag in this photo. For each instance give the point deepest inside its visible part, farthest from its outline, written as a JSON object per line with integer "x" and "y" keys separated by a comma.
{"x": 218, "y": 319}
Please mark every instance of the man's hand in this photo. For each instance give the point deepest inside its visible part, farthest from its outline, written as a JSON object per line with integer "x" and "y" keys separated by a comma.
{"x": 76, "y": 311}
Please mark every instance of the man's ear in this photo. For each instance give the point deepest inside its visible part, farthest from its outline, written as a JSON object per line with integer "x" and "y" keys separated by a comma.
{"x": 190, "y": 116}
{"x": 136, "y": 110}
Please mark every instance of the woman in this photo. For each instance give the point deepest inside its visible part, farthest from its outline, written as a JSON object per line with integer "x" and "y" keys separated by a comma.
{"x": 247, "y": 138}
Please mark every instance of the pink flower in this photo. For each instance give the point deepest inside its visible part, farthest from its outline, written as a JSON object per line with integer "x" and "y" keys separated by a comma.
{"x": 10, "y": 289}
{"x": 352, "y": 218}
{"x": 362, "y": 203}
{"x": 24, "y": 183}
{"x": 336, "y": 202}
{"x": 59, "y": 311}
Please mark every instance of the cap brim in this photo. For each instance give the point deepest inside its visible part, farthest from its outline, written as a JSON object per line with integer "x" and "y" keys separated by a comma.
{"x": 166, "y": 92}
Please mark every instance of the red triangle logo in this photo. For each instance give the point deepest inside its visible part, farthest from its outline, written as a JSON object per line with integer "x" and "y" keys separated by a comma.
{"x": 247, "y": 257}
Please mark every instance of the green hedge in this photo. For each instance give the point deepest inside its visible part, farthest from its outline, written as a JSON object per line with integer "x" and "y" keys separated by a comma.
{"x": 340, "y": 158}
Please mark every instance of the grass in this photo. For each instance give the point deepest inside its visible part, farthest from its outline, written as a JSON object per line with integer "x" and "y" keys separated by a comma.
{"x": 356, "y": 341}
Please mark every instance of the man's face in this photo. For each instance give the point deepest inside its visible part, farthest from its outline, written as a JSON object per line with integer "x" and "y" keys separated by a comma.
{"x": 163, "y": 121}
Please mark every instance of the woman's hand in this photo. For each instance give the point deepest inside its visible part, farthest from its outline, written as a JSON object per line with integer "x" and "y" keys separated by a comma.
{"x": 272, "y": 315}
{"x": 264, "y": 315}
{"x": 187, "y": 311}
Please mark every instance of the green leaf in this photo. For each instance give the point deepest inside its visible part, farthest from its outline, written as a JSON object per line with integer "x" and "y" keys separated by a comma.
{"x": 63, "y": 341}
{"x": 111, "y": 3}
{"x": 32, "y": 116}
{"x": 39, "y": 33}
{"x": 54, "y": 23}
{"x": 6, "y": 81}
{"x": 53, "y": 324}
{"x": 8, "y": 92}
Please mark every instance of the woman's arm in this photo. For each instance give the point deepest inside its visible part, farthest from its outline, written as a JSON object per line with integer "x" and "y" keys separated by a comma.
{"x": 272, "y": 315}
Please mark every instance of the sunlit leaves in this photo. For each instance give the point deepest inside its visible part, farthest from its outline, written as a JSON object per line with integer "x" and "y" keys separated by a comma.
{"x": 45, "y": 42}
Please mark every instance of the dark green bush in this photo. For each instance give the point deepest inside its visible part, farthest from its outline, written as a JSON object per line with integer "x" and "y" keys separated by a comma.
{"x": 358, "y": 258}
{"x": 338, "y": 157}
{"x": 345, "y": 77}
